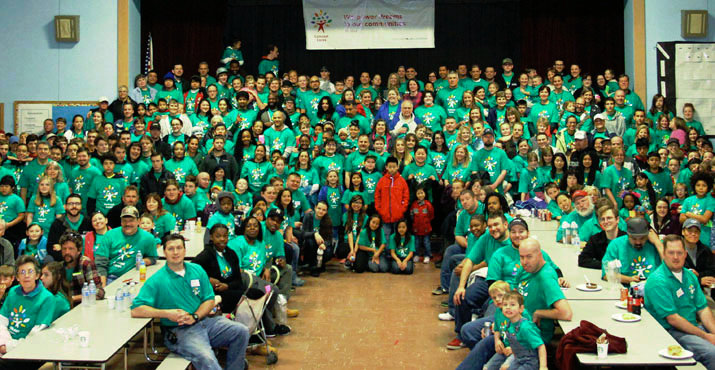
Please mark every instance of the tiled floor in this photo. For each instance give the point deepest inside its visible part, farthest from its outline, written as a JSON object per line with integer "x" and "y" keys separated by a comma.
{"x": 358, "y": 321}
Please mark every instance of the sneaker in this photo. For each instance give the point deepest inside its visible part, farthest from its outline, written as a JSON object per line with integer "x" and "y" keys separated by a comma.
{"x": 438, "y": 291}
{"x": 282, "y": 329}
{"x": 270, "y": 335}
{"x": 444, "y": 304}
{"x": 438, "y": 264}
{"x": 455, "y": 344}
{"x": 417, "y": 259}
{"x": 446, "y": 316}
{"x": 291, "y": 312}
{"x": 426, "y": 260}
{"x": 298, "y": 282}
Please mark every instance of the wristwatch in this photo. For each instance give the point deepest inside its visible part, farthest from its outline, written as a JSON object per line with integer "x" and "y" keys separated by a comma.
{"x": 196, "y": 317}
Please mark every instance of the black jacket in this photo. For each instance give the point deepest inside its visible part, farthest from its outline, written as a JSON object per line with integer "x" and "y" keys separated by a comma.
{"x": 592, "y": 254}
{"x": 150, "y": 184}
{"x": 704, "y": 261}
{"x": 58, "y": 227}
{"x": 226, "y": 160}
{"x": 308, "y": 231}
{"x": 207, "y": 260}
{"x": 114, "y": 218}
{"x": 499, "y": 79}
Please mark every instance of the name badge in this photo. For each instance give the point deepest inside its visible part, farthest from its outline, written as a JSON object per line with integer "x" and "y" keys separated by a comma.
{"x": 195, "y": 283}
{"x": 679, "y": 292}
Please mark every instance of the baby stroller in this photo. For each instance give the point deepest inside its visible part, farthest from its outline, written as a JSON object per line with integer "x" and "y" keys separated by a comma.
{"x": 249, "y": 312}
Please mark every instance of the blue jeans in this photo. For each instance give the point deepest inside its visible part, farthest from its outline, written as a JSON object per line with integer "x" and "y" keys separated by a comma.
{"x": 704, "y": 351}
{"x": 294, "y": 249}
{"x": 423, "y": 242}
{"x": 388, "y": 229}
{"x": 407, "y": 271}
{"x": 471, "y": 332}
{"x": 474, "y": 299}
{"x": 195, "y": 342}
{"x": 479, "y": 355}
{"x": 449, "y": 263}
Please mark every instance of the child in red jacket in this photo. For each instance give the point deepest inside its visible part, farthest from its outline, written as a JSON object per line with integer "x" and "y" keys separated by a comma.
{"x": 422, "y": 214}
{"x": 392, "y": 196}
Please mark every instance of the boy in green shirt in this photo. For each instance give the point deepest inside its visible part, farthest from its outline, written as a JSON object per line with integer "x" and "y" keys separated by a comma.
{"x": 104, "y": 193}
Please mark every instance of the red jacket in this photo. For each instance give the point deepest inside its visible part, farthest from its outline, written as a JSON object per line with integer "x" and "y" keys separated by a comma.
{"x": 392, "y": 197}
{"x": 422, "y": 215}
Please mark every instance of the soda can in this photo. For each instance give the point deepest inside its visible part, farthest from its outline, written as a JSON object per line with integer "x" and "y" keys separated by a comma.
{"x": 624, "y": 294}
{"x": 548, "y": 215}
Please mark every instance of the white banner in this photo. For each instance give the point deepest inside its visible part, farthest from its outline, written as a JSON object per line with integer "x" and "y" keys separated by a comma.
{"x": 368, "y": 24}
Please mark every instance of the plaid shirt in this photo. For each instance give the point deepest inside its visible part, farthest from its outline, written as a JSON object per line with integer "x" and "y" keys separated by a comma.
{"x": 85, "y": 271}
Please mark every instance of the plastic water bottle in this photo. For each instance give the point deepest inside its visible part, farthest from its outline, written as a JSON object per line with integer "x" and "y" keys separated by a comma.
{"x": 127, "y": 298}
{"x": 566, "y": 227}
{"x": 119, "y": 300}
{"x": 85, "y": 295}
{"x": 133, "y": 291}
{"x": 320, "y": 257}
{"x": 575, "y": 239}
{"x": 140, "y": 259}
{"x": 92, "y": 293}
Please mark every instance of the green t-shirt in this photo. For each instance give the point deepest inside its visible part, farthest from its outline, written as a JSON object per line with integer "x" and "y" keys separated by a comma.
{"x": 224, "y": 268}
{"x": 168, "y": 95}
{"x": 493, "y": 162}
{"x": 370, "y": 181}
{"x": 164, "y": 224}
{"x": 433, "y": 117}
{"x": 181, "y": 169}
{"x": 121, "y": 249}
{"x": 325, "y": 164}
{"x": 355, "y": 228}
{"x": 463, "y": 219}
{"x": 31, "y": 176}
{"x": 25, "y": 311}
{"x": 529, "y": 181}
{"x": 182, "y": 210}
{"x": 344, "y": 123}
{"x": 485, "y": 247}
{"x": 333, "y": 196}
{"x": 504, "y": 264}
{"x": 634, "y": 262}
{"x": 107, "y": 192}
{"x": 665, "y": 295}
{"x": 62, "y": 305}
{"x": 168, "y": 290}
{"x": 273, "y": 242}
{"x": 527, "y": 333}
{"x": 252, "y": 256}
{"x": 403, "y": 249}
{"x": 450, "y": 99}
{"x": 256, "y": 174}
{"x": 540, "y": 290}
{"x": 11, "y": 206}
{"x": 266, "y": 66}
{"x": 371, "y": 242}
{"x": 548, "y": 110}
{"x": 45, "y": 214}
{"x": 617, "y": 180}
{"x": 224, "y": 219}
{"x": 278, "y": 140}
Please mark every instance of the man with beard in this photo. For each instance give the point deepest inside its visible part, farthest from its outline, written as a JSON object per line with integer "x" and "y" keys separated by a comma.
{"x": 639, "y": 256}
{"x": 80, "y": 268}
{"x": 493, "y": 161}
{"x": 72, "y": 220}
{"x": 582, "y": 215}
{"x": 311, "y": 98}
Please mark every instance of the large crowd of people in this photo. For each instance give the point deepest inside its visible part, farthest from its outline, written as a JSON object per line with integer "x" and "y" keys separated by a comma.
{"x": 291, "y": 171}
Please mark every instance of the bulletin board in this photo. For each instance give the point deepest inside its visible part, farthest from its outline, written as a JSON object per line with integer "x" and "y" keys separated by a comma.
{"x": 29, "y": 115}
{"x": 686, "y": 74}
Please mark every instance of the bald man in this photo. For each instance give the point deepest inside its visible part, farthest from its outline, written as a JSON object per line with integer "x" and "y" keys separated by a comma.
{"x": 538, "y": 283}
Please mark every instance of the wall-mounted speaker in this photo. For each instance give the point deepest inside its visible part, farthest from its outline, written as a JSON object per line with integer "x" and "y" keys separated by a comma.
{"x": 694, "y": 23}
{"x": 67, "y": 28}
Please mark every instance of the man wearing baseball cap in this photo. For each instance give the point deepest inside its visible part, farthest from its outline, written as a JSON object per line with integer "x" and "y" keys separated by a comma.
{"x": 699, "y": 258}
{"x": 638, "y": 255}
{"x": 116, "y": 253}
{"x": 506, "y": 79}
{"x": 582, "y": 215}
{"x": 492, "y": 160}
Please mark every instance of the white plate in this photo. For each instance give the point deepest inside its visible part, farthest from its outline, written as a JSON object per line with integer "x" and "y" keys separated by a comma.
{"x": 686, "y": 354}
{"x": 619, "y": 317}
{"x": 583, "y": 288}
{"x": 622, "y": 304}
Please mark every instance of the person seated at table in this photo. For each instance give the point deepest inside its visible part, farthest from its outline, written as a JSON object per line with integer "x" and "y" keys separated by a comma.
{"x": 181, "y": 295}
{"x": 146, "y": 223}
{"x": 53, "y": 278}
{"x": 178, "y": 204}
{"x": 78, "y": 269}
{"x": 674, "y": 298}
{"x": 537, "y": 281}
{"x": 224, "y": 214}
{"x": 116, "y": 254}
{"x": 93, "y": 239}
{"x": 230, "y": 282}
{"x": 471, "y": 298}
{"x": 638, "y": 254}
{"x": 699, "y": 258}
{"x": 24, "y": 312}
{"x": 130, "y": 197}
{"x": 591, "y": 255}
{"x": 581, "y": 215}
{"x": 164, "y": 222}
{"x": 7, "y": 281}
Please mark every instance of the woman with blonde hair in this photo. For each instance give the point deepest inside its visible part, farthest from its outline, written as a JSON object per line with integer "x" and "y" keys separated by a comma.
{"x": 44, "y": 207}
{"x": 55, "y": 172}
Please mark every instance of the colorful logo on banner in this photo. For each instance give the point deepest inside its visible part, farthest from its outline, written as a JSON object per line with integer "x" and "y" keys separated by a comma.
{"x": 321, "y": 20}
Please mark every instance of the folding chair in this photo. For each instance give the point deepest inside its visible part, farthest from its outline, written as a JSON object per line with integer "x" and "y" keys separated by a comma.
{"x": 249, "y": 312}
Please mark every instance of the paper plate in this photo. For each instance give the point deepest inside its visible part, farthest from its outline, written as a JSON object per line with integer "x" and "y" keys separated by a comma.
{"x": 622, "y": 304}
{"x": 619, "y": 317}
{"x": 585, "y": 289}
{"x": 686, "y": 354}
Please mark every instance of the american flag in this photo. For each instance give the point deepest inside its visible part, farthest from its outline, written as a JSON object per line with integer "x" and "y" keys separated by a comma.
{"x": 149, "y": 57}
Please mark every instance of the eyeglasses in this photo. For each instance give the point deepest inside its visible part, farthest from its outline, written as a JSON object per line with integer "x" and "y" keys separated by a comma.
{"x": 74, "y": 203}
{"x": 26, "y": 272}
